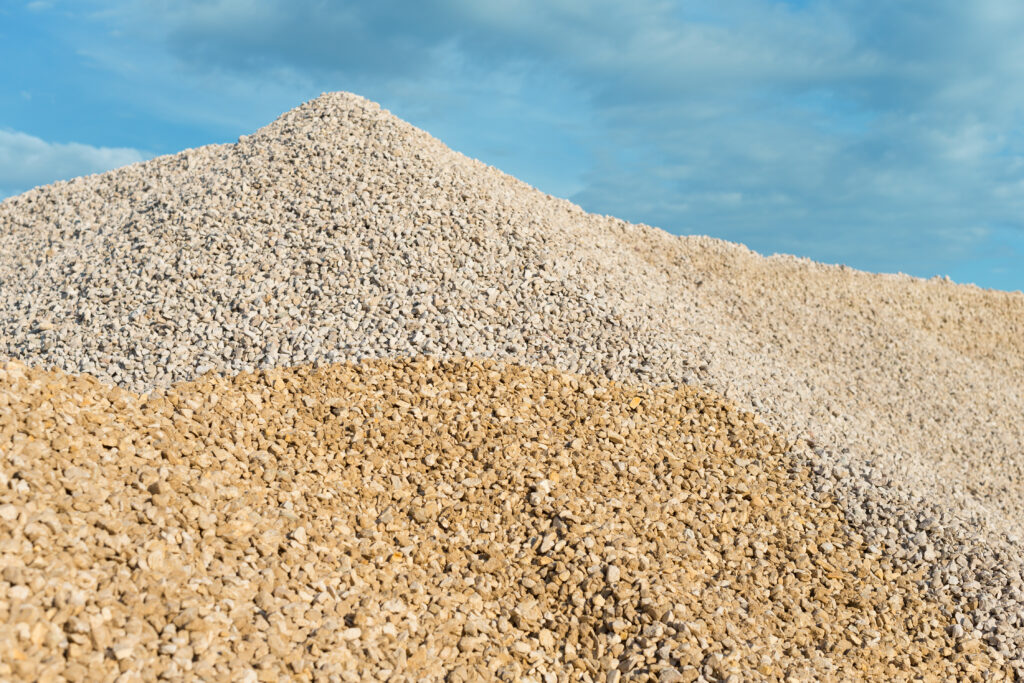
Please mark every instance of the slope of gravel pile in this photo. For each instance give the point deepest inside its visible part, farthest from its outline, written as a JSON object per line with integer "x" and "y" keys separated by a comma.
{"x": 339, "y": 232}
{"x": 414, "y": 519}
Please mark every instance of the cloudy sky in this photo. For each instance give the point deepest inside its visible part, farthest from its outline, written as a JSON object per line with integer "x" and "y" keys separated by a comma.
{"x": 885, "y": 135}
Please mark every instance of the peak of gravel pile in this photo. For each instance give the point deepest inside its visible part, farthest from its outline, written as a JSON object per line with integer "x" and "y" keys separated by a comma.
{"x": 413, "y": 519}
{"x": 340, "y": 232}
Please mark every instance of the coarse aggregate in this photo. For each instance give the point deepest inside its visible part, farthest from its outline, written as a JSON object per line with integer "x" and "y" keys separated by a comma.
{"x": 339, "y": 232}
{"x": 424, "y": 520}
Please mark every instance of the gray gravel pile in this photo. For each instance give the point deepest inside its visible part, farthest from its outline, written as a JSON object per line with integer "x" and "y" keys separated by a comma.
{"x": 340, "y": 232}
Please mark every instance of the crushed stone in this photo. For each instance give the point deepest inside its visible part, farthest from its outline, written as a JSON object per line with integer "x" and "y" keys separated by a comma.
{"x": 339, "y": 232}
{"x": 425, "y": 520}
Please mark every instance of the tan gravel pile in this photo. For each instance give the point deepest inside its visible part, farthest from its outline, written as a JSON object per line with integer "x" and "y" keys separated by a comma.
{"x": 414, "y": 520}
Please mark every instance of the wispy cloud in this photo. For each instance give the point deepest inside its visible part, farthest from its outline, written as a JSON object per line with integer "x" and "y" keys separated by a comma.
{"x": 885, "y": 135}
{"x": 843, "y": 128}
{"x": 27, "y": 161}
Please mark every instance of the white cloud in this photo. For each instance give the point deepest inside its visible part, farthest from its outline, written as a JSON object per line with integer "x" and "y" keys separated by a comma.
{"x": 880, "y": 134}
{"x": 27, "y": 161}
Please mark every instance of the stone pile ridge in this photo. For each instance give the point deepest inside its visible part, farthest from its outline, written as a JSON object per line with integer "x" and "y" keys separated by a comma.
{"x": 414, "y": 520}
{"x": 339, "y": 232}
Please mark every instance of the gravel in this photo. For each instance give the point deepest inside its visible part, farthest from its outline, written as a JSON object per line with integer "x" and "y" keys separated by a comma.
{"x": 339, "y": 232}
{"x": 411, "y": 520}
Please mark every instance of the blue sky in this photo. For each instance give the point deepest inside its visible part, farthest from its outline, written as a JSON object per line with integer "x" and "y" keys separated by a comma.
{"x": 885, "y": 135}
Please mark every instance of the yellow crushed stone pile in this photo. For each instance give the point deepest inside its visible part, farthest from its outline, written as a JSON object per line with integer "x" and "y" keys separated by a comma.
{"x": 413, "y": 520}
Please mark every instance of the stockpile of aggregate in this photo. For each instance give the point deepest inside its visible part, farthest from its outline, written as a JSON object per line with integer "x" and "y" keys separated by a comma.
{"x": 339, "y": 232}
{"x": 420, "y": 519}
